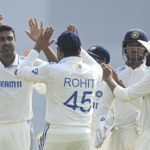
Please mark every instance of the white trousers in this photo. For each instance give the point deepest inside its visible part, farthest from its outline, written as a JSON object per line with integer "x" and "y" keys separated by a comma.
{"x": 121, "y": 139}
{"x": 15, "y": 136}
{"x": 63, "y": 141}
{"x": 143, "y": 142}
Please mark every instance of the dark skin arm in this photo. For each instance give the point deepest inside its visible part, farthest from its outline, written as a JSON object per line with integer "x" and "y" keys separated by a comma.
{"x": 43, "y": 40}
{"x": 110, "y": 76}
{"x": 72, "y": 28}
{"x": 35, "y": 31}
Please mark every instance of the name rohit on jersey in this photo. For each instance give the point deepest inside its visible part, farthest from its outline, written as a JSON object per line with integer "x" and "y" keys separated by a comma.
{"x": 83, "y": 83}
{"x": 11, "y": 84}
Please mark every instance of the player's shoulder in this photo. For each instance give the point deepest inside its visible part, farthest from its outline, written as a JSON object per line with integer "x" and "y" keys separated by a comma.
{"x": 121, "y": 69}
{"x": 147, "y": 69}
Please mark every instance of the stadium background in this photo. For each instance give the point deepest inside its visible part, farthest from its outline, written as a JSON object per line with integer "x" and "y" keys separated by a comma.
{"x": 102, "y": 22}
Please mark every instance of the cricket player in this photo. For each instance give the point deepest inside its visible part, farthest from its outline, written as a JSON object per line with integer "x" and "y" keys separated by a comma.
{"x": 124, "y": 131}
{"x": 140, "y": 89}
{"x": 70, "y": 85}
{"x": 16, "y": 96}
{"x": 101, "y": 55}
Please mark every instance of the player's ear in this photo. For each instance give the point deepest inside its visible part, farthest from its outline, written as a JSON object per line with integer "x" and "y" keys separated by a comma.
{"x": 79, "y": 51}
{"x": 60, "y": 53}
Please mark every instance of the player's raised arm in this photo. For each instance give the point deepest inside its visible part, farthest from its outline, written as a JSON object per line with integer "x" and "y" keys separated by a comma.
{"x": 85, "y": 56}
{"x": 34, "y": 33}
{"x": 72, "y": 28}
{"x": 26, "y": 70}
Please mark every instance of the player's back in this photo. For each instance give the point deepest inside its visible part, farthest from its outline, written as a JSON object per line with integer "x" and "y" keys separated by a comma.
{"x": 70, "y": 93}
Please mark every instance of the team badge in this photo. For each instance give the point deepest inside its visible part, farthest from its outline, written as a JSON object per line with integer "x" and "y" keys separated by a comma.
{"x": 92, "y": 48}
{"x": 135, "y": 35}
{"x": 35, "y": 71}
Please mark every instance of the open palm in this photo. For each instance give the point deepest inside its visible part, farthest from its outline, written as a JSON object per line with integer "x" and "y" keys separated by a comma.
{"x": 35, "y": 29}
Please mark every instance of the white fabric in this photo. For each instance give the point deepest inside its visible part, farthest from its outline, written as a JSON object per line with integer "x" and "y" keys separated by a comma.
{"x": 125, "y": 113}
{"x": 143, "y": 141}
{"x": 101, "y": 132}
{"x": 15, "y": 108}
{"x": 121, "y": 139}
{"x": 140, "y": 89}
{"x": 15, "y": 101}
{"x": 67, "y": 141}
{"x": 68, "y": 76}
{"x": 100, "y": 108}
{"x": 15, "y": 136}
{"x": 16, "y": 95}
{"x": 71, "y": 86}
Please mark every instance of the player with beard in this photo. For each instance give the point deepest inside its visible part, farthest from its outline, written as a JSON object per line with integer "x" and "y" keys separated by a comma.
{"x": 16, "y": 95}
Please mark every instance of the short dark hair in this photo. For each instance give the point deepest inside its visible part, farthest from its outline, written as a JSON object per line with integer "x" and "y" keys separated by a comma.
{"x": 69, "y": 43}
{"x": 7, "y": 28}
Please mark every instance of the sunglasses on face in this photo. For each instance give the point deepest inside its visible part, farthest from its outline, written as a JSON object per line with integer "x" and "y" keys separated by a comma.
{"x": 8, "y": 38}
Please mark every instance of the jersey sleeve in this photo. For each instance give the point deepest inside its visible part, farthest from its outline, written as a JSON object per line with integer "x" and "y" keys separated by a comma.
{"x": 89, "y": 60}
{"x": 105, "y": 102}
{"x": 135, "y": 91}
{"x": 30, "y": 73}
{"x": 39, "y": 62}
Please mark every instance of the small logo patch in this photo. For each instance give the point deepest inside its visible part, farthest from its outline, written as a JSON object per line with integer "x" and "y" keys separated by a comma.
{"x": 135, "y": 35}
{"x": 99, "y": 93}
{"x": 35, "y": 71}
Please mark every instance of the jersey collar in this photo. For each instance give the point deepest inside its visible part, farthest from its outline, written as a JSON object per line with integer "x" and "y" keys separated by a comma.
{"x": 71, "y": 59}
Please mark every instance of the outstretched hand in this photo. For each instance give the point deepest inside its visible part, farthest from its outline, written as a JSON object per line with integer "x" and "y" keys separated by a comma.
{"x": 35, "y": 29}
{"x": 43, "y": 40}
{"x": 26, "y": 52}
{"x": 72, "y": 28}
{"x": 107, "y": 71}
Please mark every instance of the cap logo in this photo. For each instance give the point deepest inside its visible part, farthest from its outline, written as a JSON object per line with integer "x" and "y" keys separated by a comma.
{"x": 135, "y": 35}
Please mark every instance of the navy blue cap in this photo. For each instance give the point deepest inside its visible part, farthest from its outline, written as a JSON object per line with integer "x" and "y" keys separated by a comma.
{"x": 99, "y": 53}
{"x": 69, "y": 41}
{"x": 133, "y": 35}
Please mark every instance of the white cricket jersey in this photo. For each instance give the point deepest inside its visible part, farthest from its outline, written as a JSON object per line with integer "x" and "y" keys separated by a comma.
{"x": 140, "y": 89}
{"x": 124, "y": 113}
{"x": 97, "y": 100}
{"x": 15, "y": 94}
{"x": 15, "y": 101}
{"x": 70, "y": 85}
